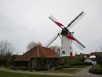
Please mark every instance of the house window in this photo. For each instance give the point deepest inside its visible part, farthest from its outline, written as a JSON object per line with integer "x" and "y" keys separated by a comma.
{"x": 70, "y": 48}
{"x": 63, "y": 52}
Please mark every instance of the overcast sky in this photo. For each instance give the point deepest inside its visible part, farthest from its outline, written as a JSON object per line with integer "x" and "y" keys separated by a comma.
{"x": 23, "y": 21}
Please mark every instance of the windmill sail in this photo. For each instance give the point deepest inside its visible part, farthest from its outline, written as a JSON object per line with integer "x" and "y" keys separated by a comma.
{"x": 78, "y": 42}
{"x": 52, "y": 40}
{"x": 74, "y": 20}
{"x": 57, "y": 22}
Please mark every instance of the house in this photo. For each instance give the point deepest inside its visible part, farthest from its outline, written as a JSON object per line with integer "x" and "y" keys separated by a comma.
{"x": 96, "y": 53}
{"x": 82, "y": 55}
{"x": 91, "y": 55}
{"x": 38, "y": 56}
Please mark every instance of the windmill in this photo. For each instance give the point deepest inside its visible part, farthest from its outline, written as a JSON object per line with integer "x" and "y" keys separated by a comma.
{"x": 66, "y": 37}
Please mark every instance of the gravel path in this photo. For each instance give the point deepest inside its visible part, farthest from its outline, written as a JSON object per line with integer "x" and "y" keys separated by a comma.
{"x": 83, "y": 73}
{"x": 40, "y": 73}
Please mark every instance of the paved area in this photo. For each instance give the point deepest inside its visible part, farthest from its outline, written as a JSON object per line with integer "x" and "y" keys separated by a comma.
{"x": 83, "y": 73}
{"x": 90, "y": 61}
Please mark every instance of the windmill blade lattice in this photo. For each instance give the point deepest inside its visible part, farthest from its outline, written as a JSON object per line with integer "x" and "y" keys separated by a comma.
{"x": 76, "y": 19}
{"x": 57, "y": 22}
{"x": 52, "y": 40}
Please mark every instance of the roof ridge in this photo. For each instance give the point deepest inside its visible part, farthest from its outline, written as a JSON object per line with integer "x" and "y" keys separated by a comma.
{"x": 38, "y": 51}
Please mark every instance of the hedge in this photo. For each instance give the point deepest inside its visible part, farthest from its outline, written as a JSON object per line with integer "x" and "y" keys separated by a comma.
{"x": 58, "y": 67}
{"x": 66, "y": 66}
{"x": 40, "y": 68}
{"x": 72, "y": 61}
{"x": 99, "y": 59}
{"x": 20, "y": 68}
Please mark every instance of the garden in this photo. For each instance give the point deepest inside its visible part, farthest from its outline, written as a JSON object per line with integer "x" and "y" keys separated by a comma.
{"x": 66, "y": 65}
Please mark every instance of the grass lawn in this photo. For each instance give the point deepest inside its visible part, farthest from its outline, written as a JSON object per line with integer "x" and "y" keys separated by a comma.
{"x": 72, "y": 69}
{"x": 65, "y": 70}
{"x": 79, "y": 66}
{"x": 11, "y": 74}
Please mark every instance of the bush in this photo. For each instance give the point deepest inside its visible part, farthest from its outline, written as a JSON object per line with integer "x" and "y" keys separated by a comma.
{"x": 10, "y": 67}
{"x": 2, "y": 63}
{"x": 7, "y": 63}
{"x": 20, "y": 68}
{"x": 72, "y": 60}
{"x": 99, "y": 59}
{"x": 66, "y": 66}
{"x": 93, "y": 59}
{"x": 58, "y": 67}
{"x": 87, "y": 63}
{"x": 40, "y": 68}
{"x": 96, "y": 69}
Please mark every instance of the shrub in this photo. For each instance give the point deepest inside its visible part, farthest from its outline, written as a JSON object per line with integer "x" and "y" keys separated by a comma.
{"x": 66, "y": 66}
{"x": 10, "y": 67}
{"x": 7, "y": 63}
{"x": 40, "y": 68}
{"x": 72, "y": 60}
{"x": 96, "y": 69}
{"x": 87, "y": 63}
{"x": 20, "y": 68}
{"x": 58, "y": 67}
{"x": 99, "y": 59}
{"x": 93, "y": 59}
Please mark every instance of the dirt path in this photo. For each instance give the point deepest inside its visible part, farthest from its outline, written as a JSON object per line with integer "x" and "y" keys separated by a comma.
{"x": 82, "y": 73}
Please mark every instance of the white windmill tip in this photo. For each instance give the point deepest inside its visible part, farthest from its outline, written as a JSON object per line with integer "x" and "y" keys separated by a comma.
{"x": 50, "y": 16}
{"x": 83, "y": 13}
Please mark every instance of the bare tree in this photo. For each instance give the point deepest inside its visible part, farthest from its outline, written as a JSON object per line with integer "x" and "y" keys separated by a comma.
{"x": 6, "y": 48}
{"x": 56, "y": 48}
{"x": 33, "y": 44}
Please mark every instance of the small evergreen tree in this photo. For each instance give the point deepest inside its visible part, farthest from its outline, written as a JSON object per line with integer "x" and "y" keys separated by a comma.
{"x": 99, "y": 59}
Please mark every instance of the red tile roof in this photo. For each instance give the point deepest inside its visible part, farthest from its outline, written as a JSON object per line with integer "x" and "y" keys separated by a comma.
{"x": 38, "y": 52}
{"x": 96, "y": 53}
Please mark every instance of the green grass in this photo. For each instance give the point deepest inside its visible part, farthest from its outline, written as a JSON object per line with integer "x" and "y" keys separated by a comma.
{"x": 11, "y": 74}
{"x": 79, "y": 66}
{"x": 72, "y": 69}
{"x": 65, "y": 70}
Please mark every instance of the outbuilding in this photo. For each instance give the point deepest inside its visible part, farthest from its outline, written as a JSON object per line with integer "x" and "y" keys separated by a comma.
{"x": 38, "y": 56}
